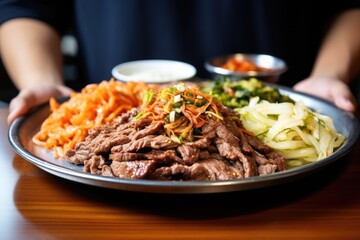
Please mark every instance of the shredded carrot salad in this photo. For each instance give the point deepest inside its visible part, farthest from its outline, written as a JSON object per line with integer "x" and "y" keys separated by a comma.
{"x": 95, "y": 105}
{"x": 184, "y": 108}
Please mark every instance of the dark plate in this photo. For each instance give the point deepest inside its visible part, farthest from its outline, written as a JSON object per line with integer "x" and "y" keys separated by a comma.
{"x": 23, "y": 129}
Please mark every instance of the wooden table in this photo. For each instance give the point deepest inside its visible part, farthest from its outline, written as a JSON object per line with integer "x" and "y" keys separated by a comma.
{"x": 37, "y": 205}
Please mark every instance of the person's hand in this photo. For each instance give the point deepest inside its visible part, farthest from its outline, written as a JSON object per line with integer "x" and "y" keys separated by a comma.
{"x": 31, "y": 97}
{"x": 331, "y": 89}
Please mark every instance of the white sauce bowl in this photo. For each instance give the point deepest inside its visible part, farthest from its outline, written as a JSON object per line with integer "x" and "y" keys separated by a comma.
{"x": 153, "y": 71}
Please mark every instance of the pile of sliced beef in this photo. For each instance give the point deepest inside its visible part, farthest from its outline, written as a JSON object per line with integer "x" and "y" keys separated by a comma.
{"x": 140, "y": 150}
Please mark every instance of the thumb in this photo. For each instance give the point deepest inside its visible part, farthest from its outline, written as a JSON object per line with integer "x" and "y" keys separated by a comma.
{"x": 344, "y": 99}
{"x": 19, "y": 106}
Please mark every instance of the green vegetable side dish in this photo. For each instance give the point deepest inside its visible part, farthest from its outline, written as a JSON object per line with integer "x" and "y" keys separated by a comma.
{"x": 302, "y": 135}
{"x": 236, "y": 94}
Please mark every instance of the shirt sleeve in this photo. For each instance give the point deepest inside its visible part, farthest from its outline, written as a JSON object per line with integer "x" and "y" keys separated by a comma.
{"x": 58, "y": 14}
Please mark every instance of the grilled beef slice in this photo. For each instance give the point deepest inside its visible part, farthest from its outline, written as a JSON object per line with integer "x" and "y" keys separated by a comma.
{"x": 140, "y": 150}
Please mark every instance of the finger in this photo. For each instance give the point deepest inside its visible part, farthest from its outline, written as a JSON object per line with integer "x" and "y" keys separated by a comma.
{"x": 19, "y": 106}
{"x": 15, "y": 113}
{"x": 49, "y": 91}
{"x": 65, "y": 91}
{"x": 345, "y": 104}
{"x": 343, "y": 98}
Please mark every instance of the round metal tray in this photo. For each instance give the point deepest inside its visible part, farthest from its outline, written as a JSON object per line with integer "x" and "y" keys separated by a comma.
{"x": 23, "y": 129}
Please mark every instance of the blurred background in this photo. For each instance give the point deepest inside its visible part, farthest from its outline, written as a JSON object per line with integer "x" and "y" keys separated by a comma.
{"x": 71, "y": 76}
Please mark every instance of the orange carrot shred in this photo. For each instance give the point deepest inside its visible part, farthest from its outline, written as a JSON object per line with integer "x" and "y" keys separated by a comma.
{"x": 95, "y": 105}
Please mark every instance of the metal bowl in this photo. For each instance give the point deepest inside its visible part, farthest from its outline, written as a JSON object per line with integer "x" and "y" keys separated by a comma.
{"x": 273, "y": 67}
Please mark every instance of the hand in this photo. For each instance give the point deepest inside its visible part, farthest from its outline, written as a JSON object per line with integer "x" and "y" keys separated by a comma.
{"x": 31, "y": 97}
{"x": 331, "y": 89}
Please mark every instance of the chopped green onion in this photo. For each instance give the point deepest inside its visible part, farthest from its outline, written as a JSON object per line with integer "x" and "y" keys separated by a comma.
{"x": 177, "y": 105}
{"x": 148, "y": 96}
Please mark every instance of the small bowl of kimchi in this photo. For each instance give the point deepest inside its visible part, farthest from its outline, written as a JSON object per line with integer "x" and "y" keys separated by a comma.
{"x": 244, "y": 66}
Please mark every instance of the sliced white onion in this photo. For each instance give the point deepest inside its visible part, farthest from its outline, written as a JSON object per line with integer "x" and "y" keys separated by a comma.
{"x": 177, "y": 98}
{"x": 172, "y": 116}
{"x": 180, "y": 88}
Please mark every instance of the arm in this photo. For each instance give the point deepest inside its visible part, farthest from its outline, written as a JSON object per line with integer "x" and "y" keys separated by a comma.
{"x": 337, "y": 63}
{"x": 30, "y": 50}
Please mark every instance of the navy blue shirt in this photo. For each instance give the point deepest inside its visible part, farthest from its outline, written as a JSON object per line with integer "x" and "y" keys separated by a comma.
{"x": 110, "y": 32}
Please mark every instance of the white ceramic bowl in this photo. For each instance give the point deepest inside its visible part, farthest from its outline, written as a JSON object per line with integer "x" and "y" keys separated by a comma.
{"x": 153, "y": 71}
